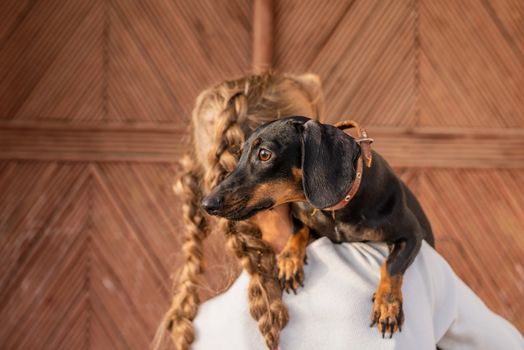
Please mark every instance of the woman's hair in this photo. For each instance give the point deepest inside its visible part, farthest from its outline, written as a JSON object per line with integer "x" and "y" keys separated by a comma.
{"x": 222, "y": 119}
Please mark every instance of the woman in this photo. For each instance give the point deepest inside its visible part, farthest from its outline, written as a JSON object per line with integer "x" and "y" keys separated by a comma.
{"x": 332, "y": 309}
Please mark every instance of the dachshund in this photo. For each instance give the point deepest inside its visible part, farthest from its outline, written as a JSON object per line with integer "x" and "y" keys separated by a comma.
{"x": 319, "y": 169}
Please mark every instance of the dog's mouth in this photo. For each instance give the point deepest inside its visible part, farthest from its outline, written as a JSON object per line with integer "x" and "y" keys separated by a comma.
{"x": 244, "y": 213}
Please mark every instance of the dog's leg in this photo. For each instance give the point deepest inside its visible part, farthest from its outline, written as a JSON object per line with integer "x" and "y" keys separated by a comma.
{"x": 291, "y": 260}
{"x": 387, "y": 309}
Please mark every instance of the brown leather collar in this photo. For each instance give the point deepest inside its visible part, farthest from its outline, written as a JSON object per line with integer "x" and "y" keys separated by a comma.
{"x": 365, "y": 146}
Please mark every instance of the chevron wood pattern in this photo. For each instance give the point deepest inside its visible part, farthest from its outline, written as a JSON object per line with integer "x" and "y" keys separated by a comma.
{"x": 65, "y": 257}
{"x": 365, "y": 55}
{"x": 95, "y": 97}
{"x": 86, "y": 252}
{"x": 480, "y": 73}
{"x": 86, "y": 62}
{"x": 485, "y": 240}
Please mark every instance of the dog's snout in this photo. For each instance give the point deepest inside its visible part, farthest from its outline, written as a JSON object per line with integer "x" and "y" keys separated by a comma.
{"x": 212, "y": 204}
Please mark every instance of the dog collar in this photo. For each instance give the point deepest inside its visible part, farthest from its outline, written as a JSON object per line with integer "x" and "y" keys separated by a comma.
{"x": 354, "y": 188}
{"x": 365, "y": 147}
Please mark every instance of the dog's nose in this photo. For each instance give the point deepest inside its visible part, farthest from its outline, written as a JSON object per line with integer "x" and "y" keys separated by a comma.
{"x": 212, "y": 204}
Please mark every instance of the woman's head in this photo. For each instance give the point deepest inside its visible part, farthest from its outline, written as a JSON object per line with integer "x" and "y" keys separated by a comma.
{"x": 223, "y": 118}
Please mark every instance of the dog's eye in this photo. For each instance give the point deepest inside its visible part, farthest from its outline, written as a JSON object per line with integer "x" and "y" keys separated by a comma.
{"x": 264, "y": 155}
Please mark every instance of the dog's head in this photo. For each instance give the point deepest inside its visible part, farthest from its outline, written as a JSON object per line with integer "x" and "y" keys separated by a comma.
{"x": 287, "y": 160}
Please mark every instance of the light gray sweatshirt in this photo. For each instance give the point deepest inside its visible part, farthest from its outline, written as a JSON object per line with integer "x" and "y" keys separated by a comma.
{"x": 333, "y": 309}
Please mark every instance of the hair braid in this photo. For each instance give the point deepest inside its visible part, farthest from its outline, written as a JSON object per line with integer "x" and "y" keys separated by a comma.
{"x": 186, "y": 300}
{"x": 264, "y": 292}
{"x": 228, "y": 139}
{"x": 255, "y": 255}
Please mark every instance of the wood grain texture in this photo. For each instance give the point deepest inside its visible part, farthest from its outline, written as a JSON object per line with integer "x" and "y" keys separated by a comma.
{"x": 365, "y": 54}
{"x": 110, "y": 142}
{"x": 401, "y": 146}
{"x": 471, "y": 70}
{"x": 262, "y": 35}
{"x": 478, "y": 216}
{"x": 108, "y": 61}
{"x": 432, "y": 147}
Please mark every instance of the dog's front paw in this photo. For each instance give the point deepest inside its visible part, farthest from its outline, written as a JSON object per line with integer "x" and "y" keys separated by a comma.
{"x": 290, "y": 265}
{"x": 387, "y": 312}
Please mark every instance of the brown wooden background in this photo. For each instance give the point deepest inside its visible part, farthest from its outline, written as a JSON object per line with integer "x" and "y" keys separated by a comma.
{"x": 95, "y": 97}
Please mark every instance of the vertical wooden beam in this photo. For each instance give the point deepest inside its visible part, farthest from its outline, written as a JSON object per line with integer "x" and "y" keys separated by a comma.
{"x": 262, "y": 35}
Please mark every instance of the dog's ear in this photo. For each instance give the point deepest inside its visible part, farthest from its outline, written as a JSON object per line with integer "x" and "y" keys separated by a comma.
{"x": 328, "y": 158}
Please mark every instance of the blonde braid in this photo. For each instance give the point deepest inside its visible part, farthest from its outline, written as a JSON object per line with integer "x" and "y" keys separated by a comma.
{"x": 228, "y": 139}
{"x": 264, "y": 292}
{"x": 255, "y": 255}
{"x": 184, "y": 306}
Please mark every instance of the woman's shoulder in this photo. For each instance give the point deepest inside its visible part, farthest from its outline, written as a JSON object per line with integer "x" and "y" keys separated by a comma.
{"x": 325, "y": 259}
{"x": 332, "y": 310}
{"x": 336, "y": 297}
{"x": 224, "y": 321}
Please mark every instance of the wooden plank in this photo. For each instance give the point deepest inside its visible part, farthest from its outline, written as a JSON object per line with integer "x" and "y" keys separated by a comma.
{"x": 143, "y": 142}
{"x": 107, "y": 142}
{"x": 450, "y": 147}
{"x": 262, "y": 35}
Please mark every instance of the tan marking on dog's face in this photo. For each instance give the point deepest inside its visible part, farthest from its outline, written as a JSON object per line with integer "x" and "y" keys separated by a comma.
{"x": 281, "y": 192}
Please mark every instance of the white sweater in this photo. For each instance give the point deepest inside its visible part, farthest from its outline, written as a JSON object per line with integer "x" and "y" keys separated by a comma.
{"x": 333, "y": 309}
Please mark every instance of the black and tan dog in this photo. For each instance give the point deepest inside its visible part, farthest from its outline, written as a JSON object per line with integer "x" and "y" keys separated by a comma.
{"x": 319, "y": 166}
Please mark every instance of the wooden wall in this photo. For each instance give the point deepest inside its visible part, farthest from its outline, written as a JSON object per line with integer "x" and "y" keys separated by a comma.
{"x": 94, "y": 101}
{"x": 95, "y": 97}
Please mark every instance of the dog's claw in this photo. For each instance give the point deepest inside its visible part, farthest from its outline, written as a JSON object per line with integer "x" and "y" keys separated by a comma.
{"x": 374, "y": 320}
{"x": 391, "y": 329}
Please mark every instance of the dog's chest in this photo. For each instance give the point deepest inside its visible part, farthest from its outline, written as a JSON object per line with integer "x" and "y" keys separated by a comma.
{"x": 336, "y": 230}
